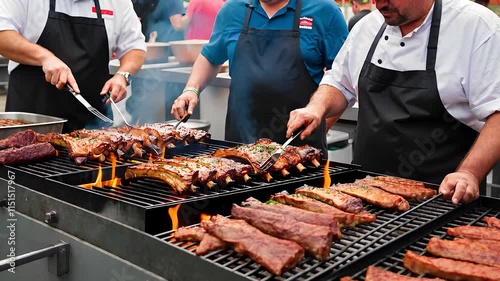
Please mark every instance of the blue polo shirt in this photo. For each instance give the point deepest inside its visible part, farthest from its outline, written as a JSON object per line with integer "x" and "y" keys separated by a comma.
{"x": 323, "y": 30}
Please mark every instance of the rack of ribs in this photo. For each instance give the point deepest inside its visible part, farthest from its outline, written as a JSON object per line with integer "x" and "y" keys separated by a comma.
{"x": 27, "y": 154}
{"x": 208, "y": 243}
{"x": 333, "y": 197}
{"x": 478, "y": 251}
{"x": 180, "y": 178}
{"x": 406, "y": 188}
{"x": 206, "y": 174}
{"x": 19, "y": 139}
{"x": 492, "y": 222}
{"x": 149, "y": 141}
{"x": 298, "y": 214}
{"x": 315, "y": 239}
{"x": 374, "y": 196}
{"x": 168, "y": 135}
{"x": 450, "y": 269}
{"x": 274, "y": 254}
{"x": 475, "y": 232}
{"x": 122, "y": 144}
{"x": 346, "y": 219}
{"x": 227, "y": 170}
{"x": 378, "y": 274}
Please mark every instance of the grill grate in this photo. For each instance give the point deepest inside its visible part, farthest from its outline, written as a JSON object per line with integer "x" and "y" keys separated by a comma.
{"x": 474, "y": 217}
{"x": 354, "y": 245}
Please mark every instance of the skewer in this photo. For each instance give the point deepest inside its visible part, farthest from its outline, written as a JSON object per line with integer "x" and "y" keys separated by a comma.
{"x": 268, "y": 177}
{"x": 246, "y": 177}
{"x": 285, "y": 173}
{"x": 300, "y": 167}
{"x": 315, "y": 162}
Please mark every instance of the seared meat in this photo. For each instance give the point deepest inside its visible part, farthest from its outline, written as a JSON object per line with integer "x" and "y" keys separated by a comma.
{"x": 80, "y": 150}
{"x": 303, "y": 202}
{"x": 27, "y": 154}
{"x": 475, "y": 232}
{"x": 288, "y": 159}
{"x": 149, "y": 141}
{"x": 180, "y": 178}
{"x": 205, "y": 174}
{"x": 19, "y": 139}
{"x": 333, "y": 197}
{"x": 120, "y": 143}
{"x": 400, "y": 187}
{"x": 254, "y": 154}
{"x": 189, "y": 234}
{"x": 450, "y": 269}
{"x": 52, "y": 138}
{"x": 374, "y": 196}
{"x": 192, "y": 135}
{"x": 227, "y": 169}
{"x": 492, "y": 222}
{"x": 167, "y": 132}
{"x": 307, "y": 153}
{"x": 276, "y": 255}
{"x": 208, "y": 243}
{"x": 315, "y": 239}
{"x": 477, "y": 251}
{"x": 378, "y": 274}
{"x": 297, "y": 214}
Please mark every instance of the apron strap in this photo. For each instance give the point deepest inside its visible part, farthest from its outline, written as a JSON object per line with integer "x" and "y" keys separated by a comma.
{"x": 296, "y": 20}
{"x": 53, "y": 5}
{"x": 250, "y": 7}
{"x": 433, "y": 36}
{"x": 375, "y": 43}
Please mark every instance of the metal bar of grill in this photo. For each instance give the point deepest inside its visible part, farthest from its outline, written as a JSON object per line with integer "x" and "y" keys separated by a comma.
{"x": 473, "y": 216}
{"x": 356, "y": 246}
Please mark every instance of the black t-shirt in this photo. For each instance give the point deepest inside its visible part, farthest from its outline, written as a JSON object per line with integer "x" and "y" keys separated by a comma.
{"x": 356, "y": 18}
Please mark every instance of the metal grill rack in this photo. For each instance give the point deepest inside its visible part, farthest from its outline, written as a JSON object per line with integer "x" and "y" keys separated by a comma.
{"x": 473, "y": 215}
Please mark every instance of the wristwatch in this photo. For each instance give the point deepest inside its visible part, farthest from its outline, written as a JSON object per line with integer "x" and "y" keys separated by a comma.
{"x": 126, "y": 75}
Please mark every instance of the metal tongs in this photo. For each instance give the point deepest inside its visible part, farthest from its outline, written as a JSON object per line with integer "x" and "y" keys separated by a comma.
{"x": 276, "y": 154}
{"x": 108, "y": 96}
{"x": 85, "y": 103}
{"x": 183, "y": 120}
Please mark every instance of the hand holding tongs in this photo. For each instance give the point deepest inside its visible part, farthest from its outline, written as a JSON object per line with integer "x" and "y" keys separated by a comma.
{"x": 108, "y": 96}
{"x": 183, "y": 120}
{"x": 276, "y": 154}
{"x": 85, "y": 103}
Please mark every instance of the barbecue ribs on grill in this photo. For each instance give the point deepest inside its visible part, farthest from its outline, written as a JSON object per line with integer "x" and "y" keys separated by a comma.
{"x": 475, "y": 232}
{"x": 485, "y": 252}
{"x": 19, "y": 139}
{"x": 333, "y": 197}
{"x": 377, "y": 274}
{"x": 79, "y": 149}
{"x": 120, "y": 143}
{"x": 346, "y": 219}
{"x": 274, "y": 254}
{"x": 406, "y": 188}
{"x": 492, "y": 222}
{"x": 227, "y": 169}
{"x": 374, "y": 196}
{"x": 315, "y": 239}
{"x": 179, "y": 177}
{"x": 27, "y": 154}
{"x": 206, "y": 174}
{"x": 450, "y": 269}
{"x": 208, "y": 243}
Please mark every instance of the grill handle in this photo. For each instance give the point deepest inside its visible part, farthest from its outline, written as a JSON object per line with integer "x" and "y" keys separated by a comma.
{"x": 58, "y": 258}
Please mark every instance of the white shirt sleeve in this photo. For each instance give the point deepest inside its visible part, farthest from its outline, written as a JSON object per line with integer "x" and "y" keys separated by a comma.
{"x": 129, "y": 34}
{"x": 13, "y": 15}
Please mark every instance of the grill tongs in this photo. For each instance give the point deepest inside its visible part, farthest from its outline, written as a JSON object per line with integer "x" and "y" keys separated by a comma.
{"x": 89, "y": 107}
{"x": 276, "y": 154}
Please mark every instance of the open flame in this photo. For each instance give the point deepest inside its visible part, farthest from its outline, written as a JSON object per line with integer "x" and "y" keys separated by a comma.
{"x": 113, "y": 182}
{"x": 205, "y": 217}
{"x": 98, "y": 181}
{"x": 172, "y": 212}
{"x": 326, "y": 174}
{"x": 163, "y": 152}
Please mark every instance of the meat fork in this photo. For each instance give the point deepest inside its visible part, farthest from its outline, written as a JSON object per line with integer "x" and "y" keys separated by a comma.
{"x": 108, "y": 96}
{"x": 89, "y": 107}
{"x": 276, "y": 154}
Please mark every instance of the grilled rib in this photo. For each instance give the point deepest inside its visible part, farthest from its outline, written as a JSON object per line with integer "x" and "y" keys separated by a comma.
{"x": 192, "y": 135}
{"x": 478, "y": 251}
{"x": 180, "y": 178}
{"x": 307, "y": 153}
{"x": 27, "y": 154}
{"x": 492, "y": 222}
{"x": 167, "y": 132}
{"x": 149, "y": 141}
{"x": 120, "y": 143}
{"x": 19, "y": 139}
{"x": 254, "y": 154}
{"x": 377, "y": 274}
{"x": 276, "y": 255}
{"x": 405, "y": 188}
{"x": 374, "y": 196}
{"x": 52, "y": 138}
{"x": 287, "y": 159}
{"x": 306, "y": 203}
{"x": 189, "y": 234}
{"x": 226, "y": 168}
{"x": 205, "y": 174}
{"x": 298, "y": 214}
{"x": 450, "y": 269}
{"x": 475, "y": 232}
{"x": 208, "y": 243}
{"x": 333, "y": 197}
{"x": 315, "y": 239}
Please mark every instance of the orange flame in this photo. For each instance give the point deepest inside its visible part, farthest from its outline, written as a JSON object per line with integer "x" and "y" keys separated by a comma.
{"x": 113, "y": 182}
{"x": 98, "y": 181}
{"x": 326, "y": 174}
{"x": 163, "y": 152}
{"x": 150, "y": 157}
{"x": 112, "y": 157}
{"x": 205, "y": 217}
{"x": 172, "y": 212}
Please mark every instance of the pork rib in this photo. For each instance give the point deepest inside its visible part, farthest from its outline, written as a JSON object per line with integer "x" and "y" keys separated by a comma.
{"x": 276, "y": 255}
{"x": 19, "y": 139}
{"x": 208, "y": 243}
{"x": 180, "y": 178}
{"x": 377, "y": 274}
{"x": 400, "y": 187}
{"x": 298, "y": 214}
{"x": 477, "y": 251}
{"x": 306, "y": 203}
{"x": 475, "y": 232}
{"x": 27, "y": 154}
{"x": 333, "y": 197}
{"x": 189, "y": 234}
{"x": 374, "y": 196}
{"x": 450, "y": 269}
{"x": 227, "y": 169}
{"x": 492, "y": 222}
{"x": 315, "y": 239}
{"x": 205, "y": 174}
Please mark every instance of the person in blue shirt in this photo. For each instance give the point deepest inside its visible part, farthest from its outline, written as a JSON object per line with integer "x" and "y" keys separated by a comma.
{"x": 165, "y": 19}
{"x": 277, "y": 52}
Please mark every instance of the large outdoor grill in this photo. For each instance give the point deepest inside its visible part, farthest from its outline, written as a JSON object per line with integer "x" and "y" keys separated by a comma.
{"x": 472, "y": 214}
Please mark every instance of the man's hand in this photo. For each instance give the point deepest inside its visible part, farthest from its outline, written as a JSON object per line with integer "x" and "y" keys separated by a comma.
{"x": 58, "y": 73}
{"x": 461, "y": 186}
{"x": 189, "y": 99}
{"x": 118, "y": 87}
{"x": 308, "y": 117}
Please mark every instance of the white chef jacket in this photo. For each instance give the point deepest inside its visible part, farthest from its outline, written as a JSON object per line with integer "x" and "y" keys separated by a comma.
{"x": 467, "y": 63}
{"x": 28, "y": 17}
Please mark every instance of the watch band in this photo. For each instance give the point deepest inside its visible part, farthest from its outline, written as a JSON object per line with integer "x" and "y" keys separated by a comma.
{"x": 126, "y": 75}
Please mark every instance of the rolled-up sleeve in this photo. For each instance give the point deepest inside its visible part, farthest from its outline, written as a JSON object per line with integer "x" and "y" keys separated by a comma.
{"x": 13, "y": 15}
{"x": 129, "y": 34}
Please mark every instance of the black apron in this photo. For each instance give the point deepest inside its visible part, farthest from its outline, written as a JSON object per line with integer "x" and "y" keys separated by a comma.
{"x": 81, "y": 43}
{"x": 403, "y": 127}
{"x": 268, "y": 80}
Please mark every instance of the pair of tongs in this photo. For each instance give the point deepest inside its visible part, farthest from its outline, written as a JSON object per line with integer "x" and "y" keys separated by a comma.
{"x": 276, "y": 154}
{"x": 183, "y": 120}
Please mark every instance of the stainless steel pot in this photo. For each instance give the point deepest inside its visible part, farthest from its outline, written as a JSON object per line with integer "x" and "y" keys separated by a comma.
{"x": 193, "y": 124}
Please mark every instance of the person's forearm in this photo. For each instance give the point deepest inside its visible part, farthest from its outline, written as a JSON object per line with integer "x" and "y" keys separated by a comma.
{"x": 185, "y": 22}
{"x": 176, "y": 22}
{"x": 329, "y": 100}
{"x": 203, "y": 72}
{"x": 132, "y": 61}
{"x": 485, "y": 152}
{"x": 15, "y": 47}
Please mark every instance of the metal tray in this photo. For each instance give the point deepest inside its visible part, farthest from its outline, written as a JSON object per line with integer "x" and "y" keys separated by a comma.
{"x": 39, "y": 123}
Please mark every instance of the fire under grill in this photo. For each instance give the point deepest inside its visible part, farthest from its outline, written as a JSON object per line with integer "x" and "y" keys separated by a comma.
{"x": 357, "y": 246}
{"x": 472, "y": 214}
{"x": 144, "y": 203}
